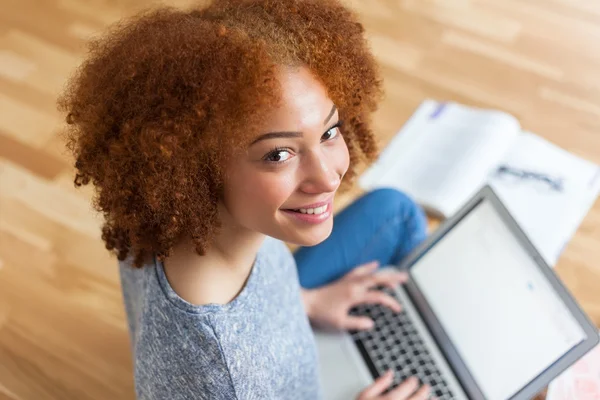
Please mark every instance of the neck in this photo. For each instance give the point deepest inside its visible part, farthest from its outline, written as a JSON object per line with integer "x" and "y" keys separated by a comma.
{"x": 222, "y": 272}
{"x": 235, "y": 247}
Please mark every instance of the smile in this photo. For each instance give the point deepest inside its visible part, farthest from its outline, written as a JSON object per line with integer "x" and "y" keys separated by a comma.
{"x": 316, "y": 214}
{"x": 316, "y": 211}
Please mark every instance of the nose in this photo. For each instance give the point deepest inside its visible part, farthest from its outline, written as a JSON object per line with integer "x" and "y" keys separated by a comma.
{"x": 320, "y": 175}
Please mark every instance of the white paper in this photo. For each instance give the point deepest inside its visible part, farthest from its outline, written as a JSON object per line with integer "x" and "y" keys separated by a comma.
{"x": 446, "y": 152}
{"x": 549, "y": 217}
{"x": 443, "y": 154}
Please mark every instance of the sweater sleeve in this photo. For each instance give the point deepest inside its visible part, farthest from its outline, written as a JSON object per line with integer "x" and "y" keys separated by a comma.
{"x": 187, "y": 365}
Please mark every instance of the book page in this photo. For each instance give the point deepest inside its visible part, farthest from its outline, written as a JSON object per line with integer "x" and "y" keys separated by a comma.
{"x": 547, "y": 190}
{"x": 443, "y": 154}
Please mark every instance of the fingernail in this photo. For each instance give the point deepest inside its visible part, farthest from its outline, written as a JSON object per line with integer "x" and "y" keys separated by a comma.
{"x": 369, "y": 324}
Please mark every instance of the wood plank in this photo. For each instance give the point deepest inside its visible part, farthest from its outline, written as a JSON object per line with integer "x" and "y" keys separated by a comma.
{"x": 62, "y": 325}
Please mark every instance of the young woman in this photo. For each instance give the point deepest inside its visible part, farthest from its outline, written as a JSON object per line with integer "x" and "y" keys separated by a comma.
{"x": 212, "y": 136}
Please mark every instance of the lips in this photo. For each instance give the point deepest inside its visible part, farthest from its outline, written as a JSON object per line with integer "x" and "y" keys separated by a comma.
{"x": 315, "y": 210}
{"x": 312, "y": 205}
{"x": 311, "y": 215}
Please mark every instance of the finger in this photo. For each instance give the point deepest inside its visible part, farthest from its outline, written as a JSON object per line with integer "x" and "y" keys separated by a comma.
{"x": 404, "y": 390}
{"x": 378, "y": 387}
{"x": 422, "y": 393}
{"x": 357, "y": 323}
{"x": 377, "y": 297}
{"x": 363, "y": 270}
{"x": 389, "y": 278}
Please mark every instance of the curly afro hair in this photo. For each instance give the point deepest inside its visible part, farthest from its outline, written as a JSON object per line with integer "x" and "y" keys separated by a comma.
{"x": 153, "y": 110}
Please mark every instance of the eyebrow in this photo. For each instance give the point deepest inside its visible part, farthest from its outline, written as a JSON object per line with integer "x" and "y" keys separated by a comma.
{"x": 285, "y": 134}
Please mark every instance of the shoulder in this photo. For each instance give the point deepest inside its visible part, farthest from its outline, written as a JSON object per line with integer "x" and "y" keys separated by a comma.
{"x": 278, "y": 261}
{"x": 277, "y": 249}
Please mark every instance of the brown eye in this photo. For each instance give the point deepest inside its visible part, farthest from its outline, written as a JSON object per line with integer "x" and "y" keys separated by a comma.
{"x": 332, "y": 132}
{"x": 278, "y": 156}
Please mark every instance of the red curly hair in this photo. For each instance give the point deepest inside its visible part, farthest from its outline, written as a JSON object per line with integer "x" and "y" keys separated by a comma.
{"x": 154, "y": 109}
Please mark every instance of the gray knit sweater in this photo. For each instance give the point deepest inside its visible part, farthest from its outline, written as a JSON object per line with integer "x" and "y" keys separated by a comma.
{"x": 258, "y": 346}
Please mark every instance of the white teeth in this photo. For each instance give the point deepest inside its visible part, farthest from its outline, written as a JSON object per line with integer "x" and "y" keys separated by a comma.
{"x": 317, "y": 211}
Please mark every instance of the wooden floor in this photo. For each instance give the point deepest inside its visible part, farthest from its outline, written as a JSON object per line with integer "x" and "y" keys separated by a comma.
{"x": 62, "y": 328}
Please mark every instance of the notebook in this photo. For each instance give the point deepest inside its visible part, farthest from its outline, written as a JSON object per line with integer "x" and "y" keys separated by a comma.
{"x": 446, "y": 152}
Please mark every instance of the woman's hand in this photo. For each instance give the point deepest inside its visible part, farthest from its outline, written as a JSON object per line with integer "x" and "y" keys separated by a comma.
{"x": 407, "y": 390}
{"x": 328, "y": 306}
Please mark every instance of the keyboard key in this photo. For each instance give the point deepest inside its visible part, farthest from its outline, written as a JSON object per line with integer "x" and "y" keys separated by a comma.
{"x": 395, "y": 344}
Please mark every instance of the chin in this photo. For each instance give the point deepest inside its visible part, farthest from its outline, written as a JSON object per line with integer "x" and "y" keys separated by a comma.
{"x": 310, "y": 237}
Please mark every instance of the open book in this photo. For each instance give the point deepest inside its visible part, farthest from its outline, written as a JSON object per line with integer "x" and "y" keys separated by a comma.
{"x": 446, "y": 152}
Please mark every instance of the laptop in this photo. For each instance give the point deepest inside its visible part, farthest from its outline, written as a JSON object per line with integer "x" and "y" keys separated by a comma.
{"x": 484, "y": 317}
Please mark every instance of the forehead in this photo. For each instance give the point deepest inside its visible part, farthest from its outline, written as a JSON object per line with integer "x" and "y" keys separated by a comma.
{"x": 304, "y": 101}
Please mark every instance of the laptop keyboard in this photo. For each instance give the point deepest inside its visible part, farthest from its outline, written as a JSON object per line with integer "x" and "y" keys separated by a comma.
{"x": 394, "y": 343}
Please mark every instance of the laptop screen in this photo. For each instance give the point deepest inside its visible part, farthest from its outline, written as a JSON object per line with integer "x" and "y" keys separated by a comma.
{"x": 504, "y": 318}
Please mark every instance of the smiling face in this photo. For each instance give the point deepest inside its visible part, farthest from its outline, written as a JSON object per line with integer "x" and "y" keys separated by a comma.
{"x": 283, "y": 184}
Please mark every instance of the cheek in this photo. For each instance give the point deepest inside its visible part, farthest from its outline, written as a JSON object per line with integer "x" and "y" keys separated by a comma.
{"x": 262, "y": 190}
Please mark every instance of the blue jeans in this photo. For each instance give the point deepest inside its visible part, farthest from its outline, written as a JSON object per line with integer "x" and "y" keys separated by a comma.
{"x": 383, "y": 225}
